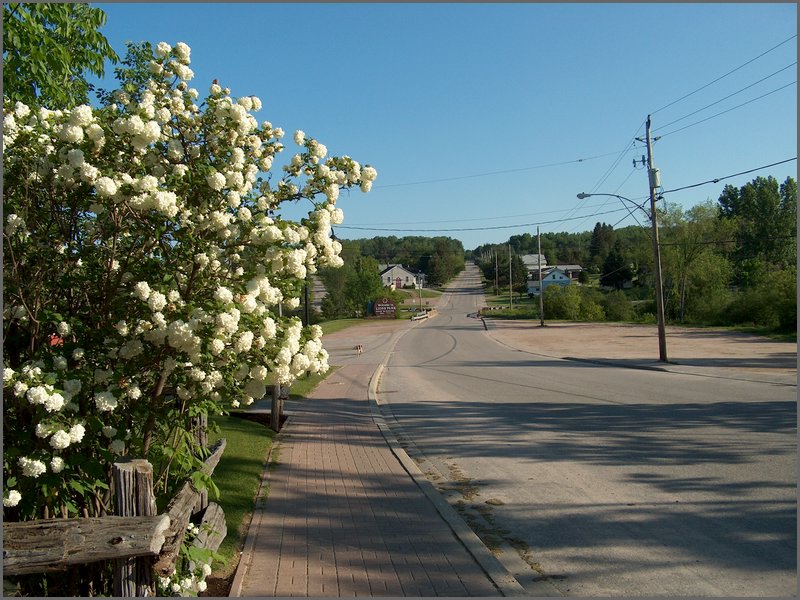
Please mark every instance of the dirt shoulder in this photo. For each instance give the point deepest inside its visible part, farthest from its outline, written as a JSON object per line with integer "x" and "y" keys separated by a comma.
{"x": 688, "y": 349}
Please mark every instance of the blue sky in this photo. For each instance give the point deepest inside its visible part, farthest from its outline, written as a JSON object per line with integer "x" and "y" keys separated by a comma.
{"x": 490, "y": 118}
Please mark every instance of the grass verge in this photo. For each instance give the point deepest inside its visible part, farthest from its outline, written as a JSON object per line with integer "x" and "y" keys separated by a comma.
{"x": 238, "y": 476}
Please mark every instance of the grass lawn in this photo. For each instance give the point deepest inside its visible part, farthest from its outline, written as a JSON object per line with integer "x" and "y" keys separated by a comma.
{"x": 238, "y": 476}
{"x": 338, "y": 325}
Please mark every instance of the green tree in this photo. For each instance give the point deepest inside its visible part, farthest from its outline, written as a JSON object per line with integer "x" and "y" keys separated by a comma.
{"x": 764, "y": 217}
{"x": 616, "y": 268}
{"x": 616, "y": 306}
{"x": 562, "y": 302}
{"x": 691, "y": 260}
{"x": 351, "y": 288}
{"x": 600, "y": 244}
{"x": 47, "y": 50}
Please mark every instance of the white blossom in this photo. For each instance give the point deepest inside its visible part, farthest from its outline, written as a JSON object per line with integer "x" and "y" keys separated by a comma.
{"x": 12, "y": 499}
{"x": 60, "y": 440}
{"x": 105, "y": 401}
{"x": 76, "y": 433}
{"x": 31, "y": 467}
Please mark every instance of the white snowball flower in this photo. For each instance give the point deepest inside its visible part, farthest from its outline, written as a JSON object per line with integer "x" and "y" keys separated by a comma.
{"x": 157, "y": 301}
{"x": 71, "y": 133}
{"x": 37, "y": 395}
{"x": 76, "y": 433}
{"x": 299, "y": 137}
{"x": 223, "y": 295}
{"x": 54, "y": 402}
{"x": 183, "y": 52}
{"x": 216, "y": 181}
{"x": 81, "y": 115}
{"x": 105, "y": 401}
{"x": 30, "y": 467}
{"x": 163, "y": 49}
{"x": 57, "y": 464}
{"x": 12, "y": 499}
{"x": 142, "y": 291}
{"x": 216, "y": 346}
{"x": 60, "y": 440}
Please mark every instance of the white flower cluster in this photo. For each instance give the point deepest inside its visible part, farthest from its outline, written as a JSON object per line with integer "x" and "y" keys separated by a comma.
{"x": 181, "y": 235}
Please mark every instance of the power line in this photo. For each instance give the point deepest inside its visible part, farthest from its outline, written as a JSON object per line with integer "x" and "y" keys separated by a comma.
{"x": 663, "y": 135}
{"x": 488, "y": 173}
{"x": 482, "y": 228}
{"x": 723, "y": 76}
{"x": 715, "y": 242}
{"x": 718, "y": 179}
{"x": 549, "y": 212}
{"x": 728, "y": 96}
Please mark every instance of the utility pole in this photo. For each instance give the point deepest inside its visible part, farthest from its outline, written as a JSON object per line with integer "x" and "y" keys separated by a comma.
{"x": 541, "y": 289}
{"x": 496, "y": 276}
{"x": 510, "y": 285}
{"x": 655, "y": 181}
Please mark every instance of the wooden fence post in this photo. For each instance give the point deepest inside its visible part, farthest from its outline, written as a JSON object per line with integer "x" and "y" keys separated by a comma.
{"x": 277, "y": 408}
{"x": 200, "y": 426}
{"x": 133, "y": 497}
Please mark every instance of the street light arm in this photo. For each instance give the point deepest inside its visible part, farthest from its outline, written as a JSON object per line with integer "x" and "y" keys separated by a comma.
{"x": 583, "y": 196}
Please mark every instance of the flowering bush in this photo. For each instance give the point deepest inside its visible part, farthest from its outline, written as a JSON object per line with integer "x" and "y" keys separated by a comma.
{"x": 145, "y": 261}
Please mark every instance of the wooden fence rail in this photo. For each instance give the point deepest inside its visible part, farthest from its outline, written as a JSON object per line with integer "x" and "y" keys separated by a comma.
{"x": 138, "y": 542}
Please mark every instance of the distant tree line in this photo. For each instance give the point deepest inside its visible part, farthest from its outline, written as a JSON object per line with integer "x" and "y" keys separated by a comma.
{"x": 729, "y": 262}
{"x": 352, "y": 287}
{"x": 440, "y": 258}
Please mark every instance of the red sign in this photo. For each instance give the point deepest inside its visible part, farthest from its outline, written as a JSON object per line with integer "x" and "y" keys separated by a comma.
{"x": 385, "y": 308}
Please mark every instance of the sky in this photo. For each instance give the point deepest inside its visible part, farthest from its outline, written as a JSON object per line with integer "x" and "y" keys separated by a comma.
{"x": 486, "y": 120}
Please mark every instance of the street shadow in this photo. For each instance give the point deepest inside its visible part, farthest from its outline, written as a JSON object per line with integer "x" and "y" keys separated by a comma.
{"x": 605, "y": 434}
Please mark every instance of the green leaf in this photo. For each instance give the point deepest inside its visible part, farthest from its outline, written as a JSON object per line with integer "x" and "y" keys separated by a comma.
{"x": 77, "y": 486}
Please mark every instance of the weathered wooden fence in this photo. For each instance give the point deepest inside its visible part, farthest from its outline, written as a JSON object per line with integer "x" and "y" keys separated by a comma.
{"x": 141, "y": 543}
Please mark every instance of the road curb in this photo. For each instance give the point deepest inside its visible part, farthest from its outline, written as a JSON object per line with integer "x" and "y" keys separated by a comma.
{"x": 494, "y": 569}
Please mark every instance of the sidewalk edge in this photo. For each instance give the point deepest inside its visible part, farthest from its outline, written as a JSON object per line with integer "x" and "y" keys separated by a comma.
{"x": 505, "y": 582}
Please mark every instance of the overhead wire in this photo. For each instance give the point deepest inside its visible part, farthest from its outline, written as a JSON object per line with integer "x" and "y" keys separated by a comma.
{"x": 728, "y": 96}
{"x": 725, "y": 75}
{"x": 663, "y": 135}
{"x": 547, "y": 212}
{"x": 401, "y": 229}
{"x": 718, "y": 179}
{"x": 501, "y": 172}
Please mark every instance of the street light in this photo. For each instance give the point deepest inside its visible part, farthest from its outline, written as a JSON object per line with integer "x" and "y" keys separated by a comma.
{"x": 662, "y": 335}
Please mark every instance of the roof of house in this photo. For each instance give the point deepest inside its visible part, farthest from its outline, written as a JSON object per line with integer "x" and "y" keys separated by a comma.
{"x": 386, "y": 268}
{"x": 533, "y": 259}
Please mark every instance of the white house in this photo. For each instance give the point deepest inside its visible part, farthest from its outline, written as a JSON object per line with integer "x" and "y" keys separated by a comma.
{"x": 550, "y": 276}
{"x": 398, "y": 277}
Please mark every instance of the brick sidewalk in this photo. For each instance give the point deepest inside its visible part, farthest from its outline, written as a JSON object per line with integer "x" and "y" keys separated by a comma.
{"x": 343, "y": 518}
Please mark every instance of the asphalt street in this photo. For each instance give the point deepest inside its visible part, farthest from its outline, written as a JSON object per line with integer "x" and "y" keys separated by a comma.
{"x": 600, "y": 480}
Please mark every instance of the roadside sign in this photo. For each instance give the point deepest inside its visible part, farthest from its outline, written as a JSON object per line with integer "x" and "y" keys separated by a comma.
{"x": 385, "y": 308}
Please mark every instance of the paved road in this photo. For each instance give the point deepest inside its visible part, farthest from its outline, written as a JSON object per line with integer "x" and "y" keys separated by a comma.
{"x": 606, "y": 480}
